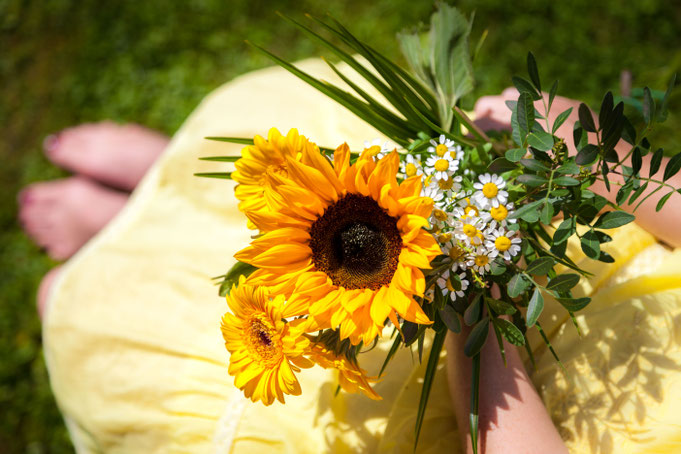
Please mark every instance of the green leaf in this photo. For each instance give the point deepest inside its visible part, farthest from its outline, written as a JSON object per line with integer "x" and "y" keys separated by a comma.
{"x": 566, "y": 181}
{"x": 510, "y": 332}
{"x": 662, "y": 114}
{"x": 500, "y": 307}
{"x": 655, "y": 162}
{"x": 590, "y": 245}
{"x": 663, "y": 200}
{"x": 477, "y": 337}
{"x": 531, "y": 179}
{"x": 546, "y": 214}
{"x": 636, "y": 161}
{"x": 648, "y": 106}
{"x": 501, "y": 165}
{"x": 552, "y": 94}
{"x": 524, "y": 86}
{"x": 515, "y": 154}
{"x": 574, "y": 304}
{"x": 638, "y": 192}
{"x": 606, "y": 110}
{"x": 526, "y": 209}
{"x": 563, "y": 282}
{"x": 533, "y": 164}
{"x": 560, "y": 119}
{"x": 534, "y": 308}
{"x": 472, "y": 312}
{"x": 613, "y": 219}
{"x": 542, "y": 141}
{"x": 532, "y": 71}
{"x": 564, "y": 230}
{"x": 497, "y": 268}
{"x": 587, "y": 155}
{"x": 569, "y": 167}
{"x": 540, "y": 266}
{"x": 524, "y": 115}
{"x": 673, "y": 166}
{"x": 433, "y": 359}
{"x": 517, "y": 285}
{"x": 585, "y": 118}
{"x": 232, "y": 277}
{"x": 450, "y": 318}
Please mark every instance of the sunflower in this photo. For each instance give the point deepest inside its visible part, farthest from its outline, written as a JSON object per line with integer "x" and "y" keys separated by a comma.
{"x": 265, "y": 350}
{"x": 345, "y": 242}
{"x": 263, "y": 158}
{"x": 351, "y": 377}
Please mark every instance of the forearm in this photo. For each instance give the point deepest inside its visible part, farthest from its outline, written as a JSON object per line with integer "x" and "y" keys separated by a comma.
{"x": 512, "y": 416}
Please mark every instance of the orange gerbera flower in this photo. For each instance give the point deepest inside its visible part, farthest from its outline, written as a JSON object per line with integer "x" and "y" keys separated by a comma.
{"x": 351, "y": 377}
{"x": 344, "y": 242}
{"x": 265, "y": 350}
{"x": 262, "y": 158}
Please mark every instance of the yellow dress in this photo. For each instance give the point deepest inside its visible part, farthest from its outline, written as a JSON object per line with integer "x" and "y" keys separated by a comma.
{"x": 137, "y": 361}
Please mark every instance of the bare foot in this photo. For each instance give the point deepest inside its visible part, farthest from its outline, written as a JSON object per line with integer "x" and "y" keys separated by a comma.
{"x": 62, "y": 215}
{"x": 117, "y": 155}
{"x": 44, "y": 290}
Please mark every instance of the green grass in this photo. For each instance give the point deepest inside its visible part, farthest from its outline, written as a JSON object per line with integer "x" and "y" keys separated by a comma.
{"x": 65, "y": 62}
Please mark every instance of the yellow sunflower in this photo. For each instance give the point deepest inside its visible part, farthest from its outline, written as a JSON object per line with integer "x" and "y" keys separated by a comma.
{"x": 265, "y": 350}
{"x": 265, "y": 157}
{"x": 345, "y": 242}
{"x": 351, "y": 377}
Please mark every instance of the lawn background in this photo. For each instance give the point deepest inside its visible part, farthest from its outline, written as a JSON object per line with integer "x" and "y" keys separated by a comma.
{"x": 64, "y": 62}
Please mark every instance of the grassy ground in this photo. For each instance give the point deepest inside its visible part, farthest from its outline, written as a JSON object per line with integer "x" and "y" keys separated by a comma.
{"x": 64, "y": 62}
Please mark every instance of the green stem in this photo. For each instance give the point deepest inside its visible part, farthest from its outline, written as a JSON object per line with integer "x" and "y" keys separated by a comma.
{"x": 473, "y": 416}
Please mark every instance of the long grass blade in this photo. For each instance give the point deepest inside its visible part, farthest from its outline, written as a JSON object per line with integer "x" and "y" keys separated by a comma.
{"x": 220, "y": 175}
{"x": 220, "y": 158}
{"x": 359, "y": 108}
{"x": 433, "y": 359}
{"x": 239, "y": 140}
{"x": 548, "y": 344}
{"x": 391, "y": 353}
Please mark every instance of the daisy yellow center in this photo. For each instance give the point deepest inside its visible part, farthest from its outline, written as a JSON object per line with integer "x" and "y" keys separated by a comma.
{"x": 445, "y": 237}
{"x": 490, "y": 190}
{"x": 262, "y": 340}
{"x": 481, "y": 260}
{"x": 445, "y": 184}
{"x": 410, "y": 169}
{"x": 440, "y": 215}
{"x": 456, "y": 253}
{"x": 441, "y": 149}
{"x": 450, "y": 287}
{"x": 356, "y": 243}
{"x": 499, "y": 213}
{"x": 502, "y": 243}
{"x": 441, "y": 165}
{"x": 470, "y": 230}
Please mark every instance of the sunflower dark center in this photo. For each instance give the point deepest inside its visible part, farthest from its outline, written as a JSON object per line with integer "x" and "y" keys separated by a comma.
{"x": 356, "y": 243}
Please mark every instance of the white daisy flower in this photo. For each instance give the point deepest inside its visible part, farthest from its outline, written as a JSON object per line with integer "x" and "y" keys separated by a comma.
{"x": 505, "y": 243}
{"x": 433, "y": 193}
{"x": 500, "y": 214}
{"x": 454, "y": 251}
{"x": 469, "y": 207}
{"x": 411, "y": 166}
{"x": 442, "y": 167}
{"x": 445, "y": 284}
{"x": 450, "y": 187}
{"x": 480, "y": 260}
{"x": 469, "y": 230}
{"x": 442, "y": 146}
{"x": 379, "y": 151}
{"x": 490, "y": 190}
{"x": 439, "y": 218}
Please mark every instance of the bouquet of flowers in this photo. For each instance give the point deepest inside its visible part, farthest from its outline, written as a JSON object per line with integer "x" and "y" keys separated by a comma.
{"x": 442, "y": 228}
